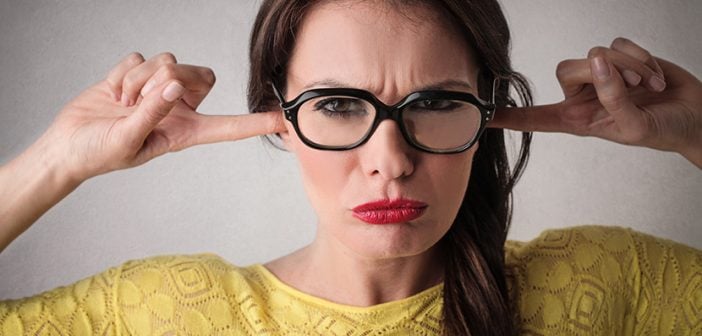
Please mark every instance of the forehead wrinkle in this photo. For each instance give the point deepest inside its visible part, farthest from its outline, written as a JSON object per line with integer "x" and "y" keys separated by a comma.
{"x": 387, "y": 73}
{"x": 449, "y": 84}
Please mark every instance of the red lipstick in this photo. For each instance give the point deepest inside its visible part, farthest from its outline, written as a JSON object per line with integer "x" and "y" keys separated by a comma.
{"x": 388, "y": 212}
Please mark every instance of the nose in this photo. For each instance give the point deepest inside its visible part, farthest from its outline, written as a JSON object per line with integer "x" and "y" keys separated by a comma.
{"x": 387, "y": 154}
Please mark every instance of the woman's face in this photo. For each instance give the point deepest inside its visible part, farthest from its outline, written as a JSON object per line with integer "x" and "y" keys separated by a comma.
{"x": 371, "y": 46}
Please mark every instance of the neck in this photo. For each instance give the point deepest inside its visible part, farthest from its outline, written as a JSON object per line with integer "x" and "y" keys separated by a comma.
{"x": 324, "y": 267}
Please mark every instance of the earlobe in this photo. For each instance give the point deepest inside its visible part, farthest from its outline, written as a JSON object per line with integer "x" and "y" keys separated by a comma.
{"x": 284, "y": 139}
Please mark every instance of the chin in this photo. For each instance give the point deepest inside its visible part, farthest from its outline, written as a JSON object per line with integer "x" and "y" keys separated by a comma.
{"x": 387, "y": 241}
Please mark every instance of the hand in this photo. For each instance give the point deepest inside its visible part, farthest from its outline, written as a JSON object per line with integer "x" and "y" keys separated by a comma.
{"x": 143, "y": 109}
{"x": 622, "y": 94}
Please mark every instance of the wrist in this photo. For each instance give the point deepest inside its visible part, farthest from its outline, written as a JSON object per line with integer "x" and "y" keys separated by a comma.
{"x": 47, "y": 164}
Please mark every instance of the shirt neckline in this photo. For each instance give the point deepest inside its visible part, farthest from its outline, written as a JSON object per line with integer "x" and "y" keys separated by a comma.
{"x": 415, "y": 299}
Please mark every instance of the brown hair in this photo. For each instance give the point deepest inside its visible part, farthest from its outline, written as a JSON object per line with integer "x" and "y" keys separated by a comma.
{"x": 476, "y": 300}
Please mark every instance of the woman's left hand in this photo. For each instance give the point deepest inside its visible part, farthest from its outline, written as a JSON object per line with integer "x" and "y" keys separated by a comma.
{"x": 622, "y": 94}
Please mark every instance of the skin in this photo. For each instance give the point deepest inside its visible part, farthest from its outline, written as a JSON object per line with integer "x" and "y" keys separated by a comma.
{"x": 375, "y": 263}
{"x": 145, "y": 108}
{"x": 622, "y": 94}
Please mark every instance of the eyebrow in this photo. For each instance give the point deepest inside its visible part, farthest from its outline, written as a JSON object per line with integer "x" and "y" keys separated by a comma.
{"x": 442, "y": 85}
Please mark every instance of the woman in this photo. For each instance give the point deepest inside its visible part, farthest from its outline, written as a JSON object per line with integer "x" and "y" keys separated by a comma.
{"x": 405, "y": 244}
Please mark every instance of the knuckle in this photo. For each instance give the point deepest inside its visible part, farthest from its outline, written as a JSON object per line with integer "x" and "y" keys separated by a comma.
{"x": 613, "y": 101}
{"x": 156, "y": 113}
{"x": 640, "y": 53}
{"x": 134, "y": 58}
{"x": 597, "y": 51}
{"x": 165, "y": 58}
{"x": 209, "y": 76}
{"x": 646, "y": 55}
{"x": 111, "y": 80}
{"x": 630, "y": 48}
{"x": 129, "y": 82}
{"x": 620, "y": 42}
{"x": 563, "y": 68}
{"x": 168, "y": 71}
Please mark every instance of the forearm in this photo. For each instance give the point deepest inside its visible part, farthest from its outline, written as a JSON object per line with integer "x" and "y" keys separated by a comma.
{"x": 29, "y": 186}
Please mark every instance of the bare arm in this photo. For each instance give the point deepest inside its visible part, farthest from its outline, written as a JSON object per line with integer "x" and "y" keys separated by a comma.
{"x": 141, "y": 110}
{"x": 31, "y": 184}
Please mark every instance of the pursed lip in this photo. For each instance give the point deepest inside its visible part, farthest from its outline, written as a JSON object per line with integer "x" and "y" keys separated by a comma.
{"x": 389, "y": 211}
{"x": 390, "y": 204}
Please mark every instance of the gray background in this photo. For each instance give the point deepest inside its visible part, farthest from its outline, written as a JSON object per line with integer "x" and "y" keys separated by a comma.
{"x": 244, "y": 200}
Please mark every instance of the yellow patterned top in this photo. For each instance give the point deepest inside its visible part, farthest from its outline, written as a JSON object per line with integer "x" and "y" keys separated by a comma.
{"x": 588, "y": 280}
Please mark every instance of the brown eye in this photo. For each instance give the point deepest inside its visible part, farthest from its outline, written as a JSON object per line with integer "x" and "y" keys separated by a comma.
{"x": 433, "y": 105}
{"x": 340, "y": 106}
{"x": 337, "y": 104}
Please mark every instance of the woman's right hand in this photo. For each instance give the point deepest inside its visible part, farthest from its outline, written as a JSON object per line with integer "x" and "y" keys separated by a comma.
{"x": 143, "y": 109}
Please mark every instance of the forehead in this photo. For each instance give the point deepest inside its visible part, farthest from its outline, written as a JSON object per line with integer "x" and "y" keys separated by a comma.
{"x": 380, "y": 48}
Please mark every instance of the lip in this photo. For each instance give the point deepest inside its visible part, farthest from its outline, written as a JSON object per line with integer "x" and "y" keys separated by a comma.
{"x": 389, "y": 211}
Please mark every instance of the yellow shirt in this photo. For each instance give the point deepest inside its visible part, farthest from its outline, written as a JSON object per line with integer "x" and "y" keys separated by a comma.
{"x": 589, "y": 280}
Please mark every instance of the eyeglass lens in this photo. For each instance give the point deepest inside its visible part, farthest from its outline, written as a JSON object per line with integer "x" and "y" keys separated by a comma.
{"x": 341, "y": 121}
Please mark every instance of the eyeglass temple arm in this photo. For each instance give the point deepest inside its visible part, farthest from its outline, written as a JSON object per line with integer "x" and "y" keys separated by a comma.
{"x": 495, "y": 85}
{"x": 278, "y": 94}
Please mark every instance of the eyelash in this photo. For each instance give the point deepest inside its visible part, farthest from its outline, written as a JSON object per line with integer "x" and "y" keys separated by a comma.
{"x": 319, "y": 106}
{"x": 451, "y": 105}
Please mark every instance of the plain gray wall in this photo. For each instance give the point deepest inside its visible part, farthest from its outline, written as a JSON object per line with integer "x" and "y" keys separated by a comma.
{"x": 244, "y": 200}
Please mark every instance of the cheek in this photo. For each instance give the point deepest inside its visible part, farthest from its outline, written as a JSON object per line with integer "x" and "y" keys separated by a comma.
{"x": 450, "y": 176}
{"x": 322, "y": 171}
{"x": 325, "y": 174}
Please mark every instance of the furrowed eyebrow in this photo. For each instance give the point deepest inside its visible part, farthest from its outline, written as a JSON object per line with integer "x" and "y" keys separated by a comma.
{"x": 329, "y": 83}
{"x": 443, "y": 85}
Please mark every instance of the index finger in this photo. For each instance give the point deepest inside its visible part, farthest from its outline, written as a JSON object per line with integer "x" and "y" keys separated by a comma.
{"x": 542, "y": 118}
{"x": 219, "y": 128}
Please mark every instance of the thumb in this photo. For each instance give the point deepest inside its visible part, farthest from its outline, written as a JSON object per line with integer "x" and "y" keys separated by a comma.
{"x": 614, "y": 96}
{"x": 153, "y": 108}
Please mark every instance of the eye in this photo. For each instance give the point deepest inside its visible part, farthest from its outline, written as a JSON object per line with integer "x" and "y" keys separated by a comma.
{"x": 336, "y": 106}
{"x": 434, "y": 104}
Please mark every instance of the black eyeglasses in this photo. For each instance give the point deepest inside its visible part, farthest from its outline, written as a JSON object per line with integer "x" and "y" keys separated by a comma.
{"x": 442, "y": 122}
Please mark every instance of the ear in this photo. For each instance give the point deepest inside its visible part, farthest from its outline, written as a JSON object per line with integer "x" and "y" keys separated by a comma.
{"x": 286, "y": 136}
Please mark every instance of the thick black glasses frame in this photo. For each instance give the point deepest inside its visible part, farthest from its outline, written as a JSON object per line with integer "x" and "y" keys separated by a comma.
{"x": 394, "y": 112}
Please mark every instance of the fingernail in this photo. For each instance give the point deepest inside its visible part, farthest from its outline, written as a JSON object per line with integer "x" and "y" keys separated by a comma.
{"x": 657, "y": 83}
{"x": 149, "y": 85}
{"x": 631, "y": 77}
{"x": 172, "y": 92}
{"x": 125, "y": 99}
{"x": 600, "y": 68}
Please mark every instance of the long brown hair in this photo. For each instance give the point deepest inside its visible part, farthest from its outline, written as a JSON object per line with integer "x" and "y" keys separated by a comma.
{"x": 476, "y": 300}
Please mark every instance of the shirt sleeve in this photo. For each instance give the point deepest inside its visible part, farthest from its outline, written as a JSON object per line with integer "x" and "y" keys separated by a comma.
{"x": 605, "y": 280}
{"x": 668, "y": 287}
{"x": 86, "y": 307}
